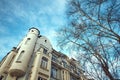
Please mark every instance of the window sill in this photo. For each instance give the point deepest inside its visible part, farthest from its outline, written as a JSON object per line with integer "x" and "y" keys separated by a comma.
{"x": 18, "y": 62}
{"x": 44, "y": 68}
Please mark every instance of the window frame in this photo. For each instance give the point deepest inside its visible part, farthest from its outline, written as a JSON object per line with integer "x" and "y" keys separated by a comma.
{"x": 44, "y": 48}
{"x": 54, "y": 72}
{"x": 40, "y": 78}
{"x": 44, "y": 63}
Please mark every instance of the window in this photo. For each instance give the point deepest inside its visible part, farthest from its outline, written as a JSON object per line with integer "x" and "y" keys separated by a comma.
{"x": 28, "y": 39}
{"x": 32, "y": 30}
{"x": 54, "y": 72}
{"x": 1, "y": 77}
{"x": 54, "y": 58}
{"x": 78, "y": 71}
{"x": 44, "y": 63}
{"x": 73, "y": 67}
{"x": 19, "y": 57}
{"x": 45, "y": 40}
{"x": 39, "y": 78}
{"x": 63, "y": 74}
{"x": 45, "y": 51}
{"x": 73, "y": 77}
{"x": 64, "y": 64}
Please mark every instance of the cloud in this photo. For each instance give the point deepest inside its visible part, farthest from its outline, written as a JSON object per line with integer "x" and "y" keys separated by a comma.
{"x": 6, "y": 45}
{"x": 17, "y": 16}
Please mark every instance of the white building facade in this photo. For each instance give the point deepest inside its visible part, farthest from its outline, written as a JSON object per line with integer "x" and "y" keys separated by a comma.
{"x": 35, "y": 59}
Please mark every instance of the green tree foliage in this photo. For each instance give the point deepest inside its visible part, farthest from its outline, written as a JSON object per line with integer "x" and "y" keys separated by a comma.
{"x": 93, "y": 27}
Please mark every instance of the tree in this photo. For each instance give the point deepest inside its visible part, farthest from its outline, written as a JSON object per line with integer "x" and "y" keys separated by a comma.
{"x": 94, "y": 28}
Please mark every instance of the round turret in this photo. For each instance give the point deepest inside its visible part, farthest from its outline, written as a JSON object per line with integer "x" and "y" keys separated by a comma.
{"x": 20, "y": 64}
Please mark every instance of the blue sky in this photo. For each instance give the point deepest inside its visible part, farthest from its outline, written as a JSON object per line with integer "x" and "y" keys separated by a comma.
{"x": 17, "y": 16}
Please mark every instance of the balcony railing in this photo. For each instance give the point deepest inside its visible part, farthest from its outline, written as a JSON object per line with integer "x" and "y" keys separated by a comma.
{"x": 71, "y": 69}
{"x": 56, "y": 60}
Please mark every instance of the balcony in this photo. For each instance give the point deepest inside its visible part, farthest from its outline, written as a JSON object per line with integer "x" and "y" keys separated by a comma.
{"x": 74, "y": 71}
{"x": 56, "y": 61}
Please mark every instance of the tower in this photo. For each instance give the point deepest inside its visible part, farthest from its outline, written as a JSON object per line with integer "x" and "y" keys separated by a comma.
{"x": 19, "y": 66}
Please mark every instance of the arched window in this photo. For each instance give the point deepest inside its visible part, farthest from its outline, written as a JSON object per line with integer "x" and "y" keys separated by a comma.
{"x": 44, "y": 63}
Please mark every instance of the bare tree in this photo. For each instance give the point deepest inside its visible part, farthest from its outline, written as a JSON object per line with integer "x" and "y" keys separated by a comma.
{"x": 94, "y": 28}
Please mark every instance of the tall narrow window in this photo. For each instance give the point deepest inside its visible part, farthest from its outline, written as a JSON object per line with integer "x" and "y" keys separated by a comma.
{"x": 64, "y": 64}
{"x": 45, "y": 51}
{"x": 19, "y": 57}
{"x": 54, "y": 72}
{"x": 63, "y": 74}
{"x": 28, "y": 39}
{"x": 44, "y": 63}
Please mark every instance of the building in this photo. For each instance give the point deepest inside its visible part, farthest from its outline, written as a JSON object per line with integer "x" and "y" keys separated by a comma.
{"x": 35, "y": 59}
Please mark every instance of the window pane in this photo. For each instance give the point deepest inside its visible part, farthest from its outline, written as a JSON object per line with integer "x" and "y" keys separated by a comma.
{"x": 54, "y": 72}
{"x": 45, "y": 51}
{"x": 44, "y": 62}
{"x": 1, "y": 77}
{"x": 39, "y": 78}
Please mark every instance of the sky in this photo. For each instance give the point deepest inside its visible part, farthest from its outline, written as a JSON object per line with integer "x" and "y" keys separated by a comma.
{"x": 17, "y": 16}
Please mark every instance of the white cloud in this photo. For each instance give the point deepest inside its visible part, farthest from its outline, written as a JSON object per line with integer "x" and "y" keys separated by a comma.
{"x": 46, "y": 15}
{"x": 6, "y": 45}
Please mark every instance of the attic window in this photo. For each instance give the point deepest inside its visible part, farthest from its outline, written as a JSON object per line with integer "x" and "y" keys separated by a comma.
{"x": 32, "y": 31}
{"x": 45, "y": 40}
